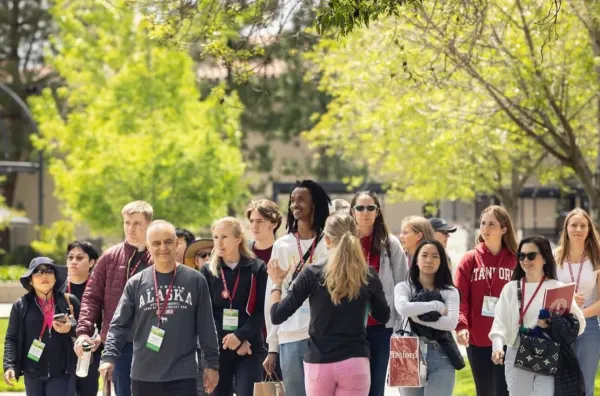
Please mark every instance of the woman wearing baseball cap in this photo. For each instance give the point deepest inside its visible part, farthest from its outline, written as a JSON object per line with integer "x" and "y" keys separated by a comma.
{"x": 38, "y": 342}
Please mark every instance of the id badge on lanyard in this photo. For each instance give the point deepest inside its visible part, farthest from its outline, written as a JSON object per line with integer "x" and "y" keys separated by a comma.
{"x": 488, "y": 308}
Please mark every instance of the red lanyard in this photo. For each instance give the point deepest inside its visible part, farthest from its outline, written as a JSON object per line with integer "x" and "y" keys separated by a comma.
{"x": 482, "y": 267}
{"x": 132, "y": 272}
{"x": 312, "y": 251}
{"x": 524, "y": 310}
{"x": 578, "y": 275}
{"x": 225, "y": 293}
{"x": 45, "y": 325}
{"x": 368, "y": 255}
{"x": 160, "y": 311}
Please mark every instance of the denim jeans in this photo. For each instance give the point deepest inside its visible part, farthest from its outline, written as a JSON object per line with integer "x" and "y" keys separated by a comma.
{"x": 440, "y": 375}
{"x": 292, "y": 367}
{"x": 587, "y": 347}
{"x": 379, "y": 343}
{"x": 122, "y": 373}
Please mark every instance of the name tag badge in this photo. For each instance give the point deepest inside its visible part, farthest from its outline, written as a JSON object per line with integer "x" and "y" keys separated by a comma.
{"x": 489, "y": 306}
{"x": 155, "y": 338}
{"x": 36, "y": 350}
{"x": 230, "y": 319}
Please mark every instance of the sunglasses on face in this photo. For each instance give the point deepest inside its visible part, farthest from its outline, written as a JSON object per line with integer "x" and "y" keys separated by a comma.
{"x": 529, "y": 256}
{"x": 44, "y": 271}
{"x": 362, "y": 208}
{"x": 203, "y": 255}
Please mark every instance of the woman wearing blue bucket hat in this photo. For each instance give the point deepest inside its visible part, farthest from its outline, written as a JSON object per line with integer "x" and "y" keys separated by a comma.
{"x": 38, "y": 343}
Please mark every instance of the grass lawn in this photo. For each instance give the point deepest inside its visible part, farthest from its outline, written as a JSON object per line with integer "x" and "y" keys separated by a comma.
{"x": 464, "y": 380}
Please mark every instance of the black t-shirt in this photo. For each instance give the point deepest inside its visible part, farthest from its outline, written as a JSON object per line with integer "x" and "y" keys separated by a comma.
{"x": 337, "y": 332}
{"x": 136, "y": 261}
{"x": 77, "y": 290}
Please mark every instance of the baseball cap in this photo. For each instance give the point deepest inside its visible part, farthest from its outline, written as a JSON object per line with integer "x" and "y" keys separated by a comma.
{"x": 441, "y": 225}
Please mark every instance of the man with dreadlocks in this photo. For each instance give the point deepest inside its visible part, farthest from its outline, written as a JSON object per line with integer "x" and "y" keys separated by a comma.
{"x": 308, "y": 208}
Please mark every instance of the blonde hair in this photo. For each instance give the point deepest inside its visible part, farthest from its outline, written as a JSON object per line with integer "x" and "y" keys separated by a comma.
{"x": 142, "y": 207}
{"x": 346, "y": 270}
{"x": 420, "y": 224}
{"x": 592, "y": 241}
{"x": 238, "y": 232}
{"x": 509, "y": 239}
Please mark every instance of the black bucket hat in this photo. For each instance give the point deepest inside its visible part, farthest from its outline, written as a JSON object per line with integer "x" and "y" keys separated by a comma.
{"x": 60, "y": 272}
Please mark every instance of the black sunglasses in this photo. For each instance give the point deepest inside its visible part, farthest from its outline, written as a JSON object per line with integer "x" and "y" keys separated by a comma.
{"x": 361, "y": 208}
{"x": 203, "y": 255}
{"x": 530, "y": 256}
{"x": 43, "y": 271}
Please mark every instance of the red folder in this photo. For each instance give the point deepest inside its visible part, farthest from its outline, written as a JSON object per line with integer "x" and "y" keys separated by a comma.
{"x": 559, "y": 299}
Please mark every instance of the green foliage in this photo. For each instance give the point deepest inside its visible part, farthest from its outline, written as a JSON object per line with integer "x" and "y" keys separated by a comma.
{"x": 421, "y": 120}
{"x": 128, "y": 125}
{"x": 11, "y": 273}
{"x": 54, "y": 239}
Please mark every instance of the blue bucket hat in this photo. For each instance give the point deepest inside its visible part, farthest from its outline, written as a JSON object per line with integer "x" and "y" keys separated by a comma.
{"x": 60, "y": 272}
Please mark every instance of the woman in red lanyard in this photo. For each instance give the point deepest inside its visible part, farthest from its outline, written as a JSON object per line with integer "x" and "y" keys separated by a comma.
{"x": 237, "y": 282}
{"x": 383, "y": 252}
{"x": 480, "y": 277}
{"x": 38, "y": 342}
{"x": 518, "y": 312}
{"x": 578, "y": 261}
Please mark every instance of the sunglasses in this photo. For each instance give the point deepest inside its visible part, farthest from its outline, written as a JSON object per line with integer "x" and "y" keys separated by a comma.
{"x": 44, "y": 271}
{"x": 362, "y": 208}
{"x": 529, "y": 256}
{"x": 203, "y": 255}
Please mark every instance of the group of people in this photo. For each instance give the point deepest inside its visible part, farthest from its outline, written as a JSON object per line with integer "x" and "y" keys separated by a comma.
{"x": 165, "y": 313}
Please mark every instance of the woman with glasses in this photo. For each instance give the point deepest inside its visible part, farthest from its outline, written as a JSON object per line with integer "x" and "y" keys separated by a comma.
{"x": 480, "y": 277}
{"x": 519, "y": 311}
{"x": 578, "y": 261}
{"x": 383, "y": 253}
{"x": 38, "y": 343}
{"x": 198, "y": 254}
{"x": 414, "y": 230}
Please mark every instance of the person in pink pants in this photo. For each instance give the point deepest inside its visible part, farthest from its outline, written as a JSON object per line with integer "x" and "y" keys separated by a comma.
{"x": 342, "y": 291}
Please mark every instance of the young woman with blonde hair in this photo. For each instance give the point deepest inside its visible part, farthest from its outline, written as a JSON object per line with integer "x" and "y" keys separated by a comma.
{"x": 480, "y": 277}
{"x": 578, "y": 261}
{"x": 414, "y": 230}
{"x": 341, "y": 290}
{"x": 237, "y": 281}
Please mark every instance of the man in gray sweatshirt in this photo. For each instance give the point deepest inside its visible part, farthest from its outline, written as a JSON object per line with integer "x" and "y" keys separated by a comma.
{"x": 165, "y": 334}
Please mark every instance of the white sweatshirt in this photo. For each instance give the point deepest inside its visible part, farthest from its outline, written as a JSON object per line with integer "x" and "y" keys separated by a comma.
{"x": 505, "y": 328}
{"x": 296, "y": 327}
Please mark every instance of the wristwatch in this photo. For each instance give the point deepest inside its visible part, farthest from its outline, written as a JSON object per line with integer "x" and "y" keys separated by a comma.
{"x": 275, "y": 287}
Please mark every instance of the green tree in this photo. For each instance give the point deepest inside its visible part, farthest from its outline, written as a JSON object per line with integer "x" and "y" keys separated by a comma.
{"x": 428, "y": 138}
{"x": 127, "y": 124}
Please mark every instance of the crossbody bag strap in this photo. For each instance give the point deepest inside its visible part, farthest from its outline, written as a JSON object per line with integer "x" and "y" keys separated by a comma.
{"x": 305, "y": 258}
{"x": 70, "y": 305}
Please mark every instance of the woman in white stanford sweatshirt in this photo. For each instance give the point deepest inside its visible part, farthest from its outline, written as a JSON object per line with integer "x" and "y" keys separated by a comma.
{"x": 536, "y": 272}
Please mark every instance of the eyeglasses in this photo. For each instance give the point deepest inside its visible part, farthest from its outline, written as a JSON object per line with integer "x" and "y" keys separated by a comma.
{"x": 361, "y": 208}
{"x": 44, "y": 271}
{"x": 529, "y": 256}
{"x": 203, "y": 255}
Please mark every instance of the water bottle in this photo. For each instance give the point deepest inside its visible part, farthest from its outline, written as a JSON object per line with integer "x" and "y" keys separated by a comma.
{"x": 83, "y": 363}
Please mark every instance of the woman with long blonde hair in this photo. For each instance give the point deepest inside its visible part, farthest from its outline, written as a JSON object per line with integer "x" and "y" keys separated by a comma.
{"x": 480, "y": 278}
{"x": 578, "y": 261}
{"x": 237, "y": 281}
{"x": 342, "y": 291}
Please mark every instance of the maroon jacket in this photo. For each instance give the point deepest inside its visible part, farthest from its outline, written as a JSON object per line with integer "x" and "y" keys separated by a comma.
{"x": 104, "y": 289}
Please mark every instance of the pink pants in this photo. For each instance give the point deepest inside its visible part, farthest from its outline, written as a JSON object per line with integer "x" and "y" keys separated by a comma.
{"x": 350, "y": 377}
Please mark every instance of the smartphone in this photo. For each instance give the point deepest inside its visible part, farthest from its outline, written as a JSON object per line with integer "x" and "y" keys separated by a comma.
{"x": 62, "y": 318}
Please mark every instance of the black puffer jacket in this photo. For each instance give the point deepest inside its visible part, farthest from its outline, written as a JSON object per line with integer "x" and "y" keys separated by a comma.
{"x": 444, "y": 338}
{"x": 25, "y": 324}
{"x": 569, "y": 379}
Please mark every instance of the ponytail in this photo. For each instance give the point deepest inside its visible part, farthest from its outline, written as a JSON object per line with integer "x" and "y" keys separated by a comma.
{"x": 346, "y": 270}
